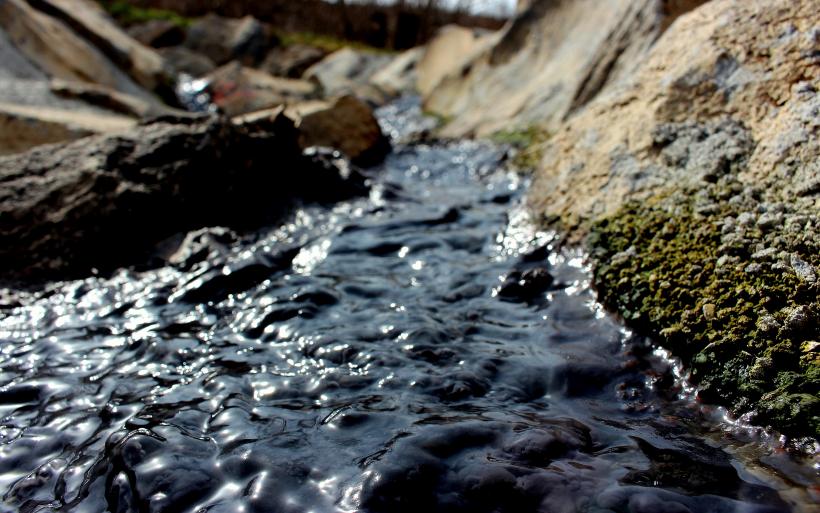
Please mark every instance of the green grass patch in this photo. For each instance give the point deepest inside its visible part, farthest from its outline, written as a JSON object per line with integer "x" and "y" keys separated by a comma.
{"x": 325, "y": 42}
{"x": 127, "y": 14}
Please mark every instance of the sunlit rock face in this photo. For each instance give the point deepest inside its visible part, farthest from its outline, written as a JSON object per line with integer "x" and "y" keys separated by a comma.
{"x": 551, "y": 60}
{"x": 700, "y": 182}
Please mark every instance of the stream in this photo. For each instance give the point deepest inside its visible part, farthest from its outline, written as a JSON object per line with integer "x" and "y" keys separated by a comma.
{"x": 422, "y": 349}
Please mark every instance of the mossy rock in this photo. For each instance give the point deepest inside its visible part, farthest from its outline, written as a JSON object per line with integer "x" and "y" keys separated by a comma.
{"x": 735, "y": 299}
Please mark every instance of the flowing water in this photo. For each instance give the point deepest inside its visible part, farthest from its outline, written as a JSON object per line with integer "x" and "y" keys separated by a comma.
{"x": 422, "y": 349}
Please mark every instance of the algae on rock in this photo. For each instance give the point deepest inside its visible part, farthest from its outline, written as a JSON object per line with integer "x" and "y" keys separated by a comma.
{"x": 724, "y": 295}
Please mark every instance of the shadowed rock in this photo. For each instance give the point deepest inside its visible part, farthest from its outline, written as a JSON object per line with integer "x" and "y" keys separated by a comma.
{"x": 107, "y": 201}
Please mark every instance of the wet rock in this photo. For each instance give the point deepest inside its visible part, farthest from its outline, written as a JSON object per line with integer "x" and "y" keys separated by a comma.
{"x": 157, "y": 33}
{"x": 226, "y": 39}
{"x": 105, "y": 201}
{"x": 347, "y": 124}
{"x": 237, "y": 89}
{"x": 541, "y": 446}
{"x": 696, "y": 469}
{"x": 291, "y": 61}
{"x": 526, "y": 286}
{"x": 726, "y": 173}
{"x": 25, "y": 127}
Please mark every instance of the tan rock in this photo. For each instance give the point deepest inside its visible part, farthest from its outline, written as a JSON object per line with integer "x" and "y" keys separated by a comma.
{"x": 447, "y": 53}
{"x": 24, "y": 127}
{"x": 731, "y": 87}
{"x": 345, "y": 71}
{"x": 400, "y": 75}
{"x": 59, "y": 51}
{"x": 86, "y": 18}
{"x": 237, "y": 90}
{"x": 346, "y": 124}
{"x": 226, "y": 39}
{"x": 549, "y": 62}
{"x": 109, "y": 99}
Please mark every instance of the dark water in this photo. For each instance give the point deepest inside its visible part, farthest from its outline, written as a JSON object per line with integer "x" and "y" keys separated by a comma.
{"x": 420, "y": 350}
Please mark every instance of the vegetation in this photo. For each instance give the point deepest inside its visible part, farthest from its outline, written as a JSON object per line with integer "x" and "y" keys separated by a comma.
{"x": 128, "y": 14}
{"x": 325, "y": 42}
{"x": 730, "y": 291}
{"x": 529, "y": 143}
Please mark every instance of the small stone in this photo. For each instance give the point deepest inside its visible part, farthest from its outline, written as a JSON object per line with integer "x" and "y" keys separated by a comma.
{"x": 746, "y": 219}
{"x": 810, "y": 346}
{"x": 764, "y": 254}
{"x": 753, "y": 268}
{"x": 768, "y": 221}
{"x": 803, "y": 269}
{"x": 767, "y": 324}
{"x": 799, "y": 319}
{"x": 709, "y": 311}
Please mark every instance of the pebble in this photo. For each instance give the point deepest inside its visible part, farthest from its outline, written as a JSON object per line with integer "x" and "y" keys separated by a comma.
{"x": 764, "y": 254}
{"x": 746, "y": 219}
{"x": 803, "y": 269}
{"x": 709, "y": 311}
{"x": 798, "y": 319}
{"x": 753, "y": 268}
{"x": 768, "y": 324}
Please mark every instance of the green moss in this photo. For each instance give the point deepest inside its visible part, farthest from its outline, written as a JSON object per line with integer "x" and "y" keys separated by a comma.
{"x": 679, "y": 276}
{"x": 127, "y": 14}
{"x": 325, "y": 42}
{"x": 529, "y": 144}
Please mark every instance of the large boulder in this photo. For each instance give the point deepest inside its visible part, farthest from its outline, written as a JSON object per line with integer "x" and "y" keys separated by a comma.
{"x": 107, "y": 200}
{"x": 237, "y": 89}
{"x": 292, "y": 60}
{"x": 226, "y": 39}
{"x": 551, "y": 60}
{"x": 87, "y": 19}
{"x": 698, "y": 178}
{"x": 23, "y": 126}
{"x": 58, "y": 51}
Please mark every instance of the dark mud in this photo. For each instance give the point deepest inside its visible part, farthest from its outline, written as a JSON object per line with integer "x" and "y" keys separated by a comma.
{"x": 423, "y": 349}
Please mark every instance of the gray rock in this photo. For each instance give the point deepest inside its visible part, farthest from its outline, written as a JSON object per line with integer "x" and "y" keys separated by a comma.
{"x": 226, "y": 39}
{"x": 107, "y": 201}
{"x": 292, "y": 61}
{"x": 798, "y": 319}
{"x": 803, "y": 269}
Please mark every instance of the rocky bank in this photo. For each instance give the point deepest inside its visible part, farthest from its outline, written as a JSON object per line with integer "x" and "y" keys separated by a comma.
{"x": 684, "y": 155}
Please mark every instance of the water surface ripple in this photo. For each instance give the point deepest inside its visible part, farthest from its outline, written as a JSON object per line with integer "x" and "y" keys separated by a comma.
{"x": 418, "y": 350}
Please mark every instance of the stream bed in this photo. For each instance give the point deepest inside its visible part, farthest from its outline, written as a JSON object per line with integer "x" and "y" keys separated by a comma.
{"x": 423, "y": 349}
